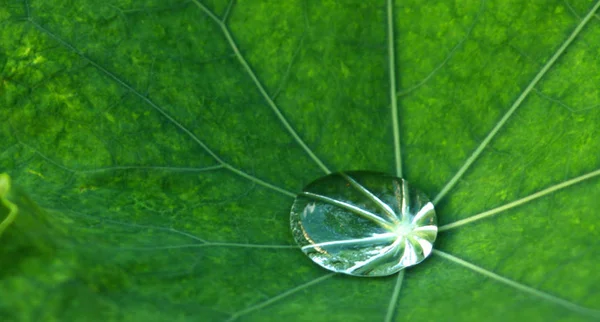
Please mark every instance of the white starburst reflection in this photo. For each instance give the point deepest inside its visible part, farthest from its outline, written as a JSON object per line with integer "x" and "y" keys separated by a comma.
{"x": 363, "y": 223}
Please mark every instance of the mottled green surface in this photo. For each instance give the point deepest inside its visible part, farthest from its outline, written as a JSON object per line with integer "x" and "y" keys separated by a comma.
{"x": 127, "y": 222}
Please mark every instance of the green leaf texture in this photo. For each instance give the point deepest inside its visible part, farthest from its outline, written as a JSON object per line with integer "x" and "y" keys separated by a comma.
{"x": 155, "y": 147}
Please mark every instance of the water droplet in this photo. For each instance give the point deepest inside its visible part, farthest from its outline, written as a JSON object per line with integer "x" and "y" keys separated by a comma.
{"x": 363, "y": 223}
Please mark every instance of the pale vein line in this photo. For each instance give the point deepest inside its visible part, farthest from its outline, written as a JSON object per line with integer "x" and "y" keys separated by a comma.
{"x": 397, "y": 148}
{"x": 227, "y": 11}
{"x": 410, "y": 252}
{"x": 163, "y": 112}
{"x": 426, "y": 229}
{"x": 288, "y": 70}
{"x": 368, "y": 240}
{"x": 384, "y": 254}
{"x": 527, "y": 289}
{"x": 202, "y": 242}
{"x": 448, "y": 57}
{"x": 278, "y": 297}
{"x": 393, "y": 96}
{"x": 352, "y": 208}
{"x": 174, "y": 169}
{"x": 561, "y": 103}
{"x": 240, "y": 245}
{"x": 260, "y": 182}
{"x": 43, "y": 156}
{"x": 159, "y": 228}
{"x": 389, "y": 316}
{"x": 597, "y": 16}
{"x": 519, "y": 202}
{"x": 515, "y": 105}
{"x": 205, "y": 169}
{"x": 260, "y": 87}
{"x": 213, "y": 244}
{"x": 28, "y": 9}
{"x": 405, "y": 201}
{"x": 426, "y": 245}
{"x": 131, "y": 89}
{"x": 422, "y": 212}
{"x": 382, "y": 205}
{"x": 572, "y": 10}
{"x": 126, "y": 224}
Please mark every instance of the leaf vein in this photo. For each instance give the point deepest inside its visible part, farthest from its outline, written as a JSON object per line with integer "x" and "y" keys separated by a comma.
{"x": 392, "y": 89}
{"x": 391, "y": 309}
{"x": 280, "y": 296}
{"x": 475, "y": 155}
{"x": 519, "y": 202}
{"x": 162, "y": 112}
{"x": 410, "y": 89}
{"x": 524, "y": 288}
{"x": 286, "y": 124}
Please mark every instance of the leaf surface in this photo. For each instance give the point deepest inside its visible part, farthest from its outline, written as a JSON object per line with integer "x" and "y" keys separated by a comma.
{"x": 155, "y": 147}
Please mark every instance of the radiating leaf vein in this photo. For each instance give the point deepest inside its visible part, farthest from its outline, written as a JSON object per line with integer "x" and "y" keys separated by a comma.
{"x": 475, "y": 155}
{"x": 261, "y": 88}
{"x": 546, "y": 296}
{"x": 162, "y": 112}
{"x": 519, "y": 202}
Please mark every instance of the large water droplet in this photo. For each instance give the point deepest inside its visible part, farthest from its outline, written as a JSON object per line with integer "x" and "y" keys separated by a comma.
{"x": 363, "y": 223}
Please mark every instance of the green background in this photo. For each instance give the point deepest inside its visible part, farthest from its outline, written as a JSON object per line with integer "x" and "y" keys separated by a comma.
{"x": 105, "y": 107}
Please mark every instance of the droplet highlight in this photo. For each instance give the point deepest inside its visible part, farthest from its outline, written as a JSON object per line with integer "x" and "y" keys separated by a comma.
{"x": 363, "y": 223}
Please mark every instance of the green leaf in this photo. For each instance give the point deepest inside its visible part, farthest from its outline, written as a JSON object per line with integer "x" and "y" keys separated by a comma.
{"x": 155, "y": 148}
